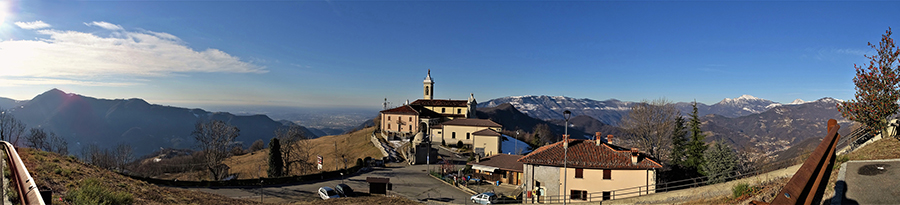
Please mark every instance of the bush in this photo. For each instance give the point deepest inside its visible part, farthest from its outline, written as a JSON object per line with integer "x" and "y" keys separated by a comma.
{"x": 91, "y": 191}
{"x": 740, "y": 189}
{"x": 443, "y": 142}
{"x": 459, "y": 144}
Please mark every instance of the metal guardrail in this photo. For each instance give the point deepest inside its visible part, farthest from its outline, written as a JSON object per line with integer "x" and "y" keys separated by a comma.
{"x": 28, "y": 190}
{"x": 808, "y": 184}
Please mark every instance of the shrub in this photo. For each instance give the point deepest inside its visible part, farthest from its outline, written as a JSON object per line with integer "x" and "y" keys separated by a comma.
{"x": 459, "y": 144}
{"x": 740, "y": 189}
{"x": 443, "y": 142}
{"x": 91, "y": 191}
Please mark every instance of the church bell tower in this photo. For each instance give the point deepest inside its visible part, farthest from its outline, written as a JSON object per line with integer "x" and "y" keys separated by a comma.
{"x": 429, "y": 86}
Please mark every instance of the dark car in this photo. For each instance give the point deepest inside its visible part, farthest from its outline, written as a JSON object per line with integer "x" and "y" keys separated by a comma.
{"x": 344, "y": 190}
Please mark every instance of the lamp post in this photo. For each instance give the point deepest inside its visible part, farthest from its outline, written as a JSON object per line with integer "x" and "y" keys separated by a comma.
{"x": 566, "y": 114}
{"x": 517, "y": 142}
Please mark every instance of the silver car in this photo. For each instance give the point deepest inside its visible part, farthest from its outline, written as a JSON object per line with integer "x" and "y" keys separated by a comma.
{"x": 328, "y": 193}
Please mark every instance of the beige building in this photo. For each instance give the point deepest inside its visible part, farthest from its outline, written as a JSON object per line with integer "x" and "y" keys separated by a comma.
{"x": 482, "y": 134}
{"x": 421, "y": 114}
{"x": 407, "y": 119}
{"x": 595, "y": 171}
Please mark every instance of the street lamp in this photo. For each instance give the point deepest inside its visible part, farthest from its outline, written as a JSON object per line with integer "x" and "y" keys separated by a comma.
{"x": 566, "y": 114}
{"x": 517, "y": 142}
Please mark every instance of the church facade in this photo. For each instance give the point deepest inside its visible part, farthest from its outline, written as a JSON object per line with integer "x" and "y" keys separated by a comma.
{"x": 423, "y": 113}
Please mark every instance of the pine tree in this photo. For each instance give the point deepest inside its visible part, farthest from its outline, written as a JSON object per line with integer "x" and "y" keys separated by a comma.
{"x": 720, "y": 162}
{"x": 679, "y": 143}
{"x": 876, "y": 88}
{"x": 276, "y": 163}
{"x": 696, "y": 146}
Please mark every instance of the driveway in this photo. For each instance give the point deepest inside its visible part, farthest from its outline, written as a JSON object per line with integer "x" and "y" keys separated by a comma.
{"x": 869, "y": 182}
{"x": 411, "y": 182}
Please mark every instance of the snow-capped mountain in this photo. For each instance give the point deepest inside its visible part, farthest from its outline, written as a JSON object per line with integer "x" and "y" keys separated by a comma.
{"x": 552, "y": 107}
{"x": 611, "y": 111}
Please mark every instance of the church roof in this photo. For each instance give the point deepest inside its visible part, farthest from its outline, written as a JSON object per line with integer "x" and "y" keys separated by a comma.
{"x": 472, "y": 122}
{"x": 428, "y": 78}
{"x": 413, "y": 110}
{"x": 486, "y": 132}
{"x": 442, "y": 103}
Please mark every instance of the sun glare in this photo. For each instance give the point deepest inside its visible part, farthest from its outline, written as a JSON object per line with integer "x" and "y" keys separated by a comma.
{"x": 4, "y": 11}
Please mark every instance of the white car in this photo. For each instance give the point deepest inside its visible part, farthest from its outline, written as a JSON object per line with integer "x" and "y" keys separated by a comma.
{"x": 484, "y": 198}
{"x": 328, "y": 193}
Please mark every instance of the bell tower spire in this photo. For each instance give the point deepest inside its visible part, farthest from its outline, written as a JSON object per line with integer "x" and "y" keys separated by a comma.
{"x": 429, "y": 86}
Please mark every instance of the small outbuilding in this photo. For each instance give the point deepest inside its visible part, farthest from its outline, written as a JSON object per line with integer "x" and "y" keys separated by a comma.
{"x": 378, "y": 185}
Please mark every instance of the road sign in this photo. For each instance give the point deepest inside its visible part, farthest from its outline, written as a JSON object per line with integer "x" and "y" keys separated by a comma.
{"x": 320, "y": 161}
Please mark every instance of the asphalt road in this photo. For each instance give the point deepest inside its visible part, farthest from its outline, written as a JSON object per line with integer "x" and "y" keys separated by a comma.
{"x": 412, "y": 182}
{"x": 870, "y": 182}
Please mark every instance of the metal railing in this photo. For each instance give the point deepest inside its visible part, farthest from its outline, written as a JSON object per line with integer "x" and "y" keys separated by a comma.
{"x": 808, "y": 184}
{"x": 27, "y": 188}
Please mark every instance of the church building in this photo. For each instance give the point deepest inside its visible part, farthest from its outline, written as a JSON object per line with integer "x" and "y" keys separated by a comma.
{"x": 423, "y": 113}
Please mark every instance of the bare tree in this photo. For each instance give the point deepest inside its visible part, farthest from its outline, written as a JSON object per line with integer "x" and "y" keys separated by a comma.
{"x": 294, "y": 149}
{"x": 341, "y": 153}
{"x": 214, "y": 139}
{"x": 58, "y": 144}
{"x": 650, "y": 125}
{"x": 102, "y": 158}
{"x": 124, "y": 154}
{"x": 38, "y": 139}
{"x": 257, "y": 145}
{"x": 11, "y": 129}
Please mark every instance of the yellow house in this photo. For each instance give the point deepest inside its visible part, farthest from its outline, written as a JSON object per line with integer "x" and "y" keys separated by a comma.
{"x": 594, "y": 171}
{"x": 482, "y": 134}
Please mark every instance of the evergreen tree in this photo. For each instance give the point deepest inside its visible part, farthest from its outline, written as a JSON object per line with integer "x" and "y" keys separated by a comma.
{"x": 276, "y": 163}
{"x": 876, "y": 88}
{"x": 720, "y": 162}
{"x": 696, "y": 146}
{"x": 679, "y": 143}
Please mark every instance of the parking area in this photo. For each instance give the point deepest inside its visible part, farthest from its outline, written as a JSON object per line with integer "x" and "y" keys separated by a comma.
{"x": 869, "y": 182}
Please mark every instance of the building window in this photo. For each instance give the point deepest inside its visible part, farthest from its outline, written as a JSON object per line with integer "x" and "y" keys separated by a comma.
{"x": 467, "y": 135}
{"x": 607, "y": 174}
{"x": 606, "y": 195}
{"x": 389, "y": 126}
{"x": 426, "y": 90}
{"x": 389, "y": 118}
{"x": 410, "y": 127}
{"x": 439, "y": 132}
{"x": 453, "y": 135}
{"x": 579, "y": 173}
{"x": 443, "y": 110}
{"x": 410, "y": 119}
{"x": 458, "y": 111}
{"x": 578, "y": 194}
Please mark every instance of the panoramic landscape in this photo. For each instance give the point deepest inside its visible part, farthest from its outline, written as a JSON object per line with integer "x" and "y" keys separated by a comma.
{"x": 434, "y": 102}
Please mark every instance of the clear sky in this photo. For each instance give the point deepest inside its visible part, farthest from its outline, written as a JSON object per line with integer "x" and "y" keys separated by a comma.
{"x": 356, "y": 53}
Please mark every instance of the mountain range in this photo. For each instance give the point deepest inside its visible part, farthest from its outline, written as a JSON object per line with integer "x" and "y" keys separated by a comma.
{"x": 83, "y": 120}
{"x": 745, "y": 121}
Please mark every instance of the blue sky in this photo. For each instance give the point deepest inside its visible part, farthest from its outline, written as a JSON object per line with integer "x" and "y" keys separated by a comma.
{"x": 355, "y": 54}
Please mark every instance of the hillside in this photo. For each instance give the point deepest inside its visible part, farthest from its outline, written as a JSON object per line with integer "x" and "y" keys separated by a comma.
{"x": 83, "y": 120}
{"x": 65, "y": 175}
{"x": 253, "y": 165}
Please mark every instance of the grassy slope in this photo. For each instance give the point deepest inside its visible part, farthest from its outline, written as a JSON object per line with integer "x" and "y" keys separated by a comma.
{"x": 252, "y": 165}
{"x": 64, "y": 174}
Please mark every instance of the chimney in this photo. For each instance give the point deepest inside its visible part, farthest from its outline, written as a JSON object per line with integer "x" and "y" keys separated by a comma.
{"x": 609, "y": 139}
{"x": 597, "y": 137}
{"x": 634, "y": 155}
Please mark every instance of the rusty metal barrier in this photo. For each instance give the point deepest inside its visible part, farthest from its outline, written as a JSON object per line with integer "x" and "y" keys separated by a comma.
{"x": 808, "y": 184}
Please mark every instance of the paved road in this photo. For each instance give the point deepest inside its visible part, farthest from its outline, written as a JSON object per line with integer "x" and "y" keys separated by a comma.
{"x": 409, "y": 181}
{"x": 870, "y": 182}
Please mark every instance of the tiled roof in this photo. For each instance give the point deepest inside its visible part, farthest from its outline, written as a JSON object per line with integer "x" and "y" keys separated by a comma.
{"x": 413, "y": 110}
{"x": 406, "y": 109}
{"x": 586, "y": 154}
{"x": 472, "y": 122}
{"x": 503, "y": 161}
{"x": 486, "y": 132}
{"x": 445, "y": 103}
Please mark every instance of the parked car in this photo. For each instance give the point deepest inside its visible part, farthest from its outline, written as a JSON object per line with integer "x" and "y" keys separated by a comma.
{"x": 484, "y": 198}
{"x": 328, "y": 193}
{"x": 344, "y": 190}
